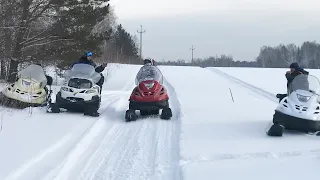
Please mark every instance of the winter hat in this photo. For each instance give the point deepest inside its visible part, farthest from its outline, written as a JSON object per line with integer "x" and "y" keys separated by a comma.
{"x": 295, "y": 66}
{"x": 87, "y": 54}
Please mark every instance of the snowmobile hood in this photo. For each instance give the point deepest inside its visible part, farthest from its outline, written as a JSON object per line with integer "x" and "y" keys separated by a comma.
{"x": 301, "y": 105}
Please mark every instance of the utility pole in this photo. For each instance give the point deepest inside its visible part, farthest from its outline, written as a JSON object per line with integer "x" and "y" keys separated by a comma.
{"x": 192, "y": 49}
{"x": 141, "y": 31}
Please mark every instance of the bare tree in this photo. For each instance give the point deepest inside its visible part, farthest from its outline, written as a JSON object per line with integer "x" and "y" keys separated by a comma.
{"x": 37, "y": 27}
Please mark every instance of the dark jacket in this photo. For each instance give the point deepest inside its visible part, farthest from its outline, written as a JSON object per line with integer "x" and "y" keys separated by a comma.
{"x": 84, "y": 60}
{"x": 291, "y": 76}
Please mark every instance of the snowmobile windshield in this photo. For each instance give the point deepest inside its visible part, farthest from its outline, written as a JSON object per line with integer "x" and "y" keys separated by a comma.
{"x": 148, "y": 72}
{"x": 83, "y": 71}
{"x": 34, "y": 72}
{"x": 305, "y": 82}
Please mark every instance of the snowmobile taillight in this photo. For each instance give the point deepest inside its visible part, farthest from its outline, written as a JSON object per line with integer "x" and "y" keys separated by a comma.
{"x": 303, "y": 98}
{"x": 90, "y": 91}
{"x": 149, "y": 85}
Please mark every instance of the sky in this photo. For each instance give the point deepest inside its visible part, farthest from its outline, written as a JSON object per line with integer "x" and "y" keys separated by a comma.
{"x": 232, "y": 27}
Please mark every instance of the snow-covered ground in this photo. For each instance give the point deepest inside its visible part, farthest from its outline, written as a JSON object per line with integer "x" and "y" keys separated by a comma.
{"x": 217, "y": 131}
{"x": 36, "y": 145}
{"x": 269, "y": 79}
{"x": 222, "y": 139}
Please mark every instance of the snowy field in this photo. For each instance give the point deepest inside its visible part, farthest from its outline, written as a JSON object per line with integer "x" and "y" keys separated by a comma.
{"x": 220, "y": 116}
{"x": 272, "y": 80}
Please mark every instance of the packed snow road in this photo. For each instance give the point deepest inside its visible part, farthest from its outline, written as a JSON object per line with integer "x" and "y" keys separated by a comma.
{"x": 72, "y": 146}
{"x": 223, "y": 128}
{"x": 217, "y": 131}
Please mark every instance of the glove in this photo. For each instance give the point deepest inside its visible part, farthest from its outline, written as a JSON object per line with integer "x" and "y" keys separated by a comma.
{"x": 288, "y": 72}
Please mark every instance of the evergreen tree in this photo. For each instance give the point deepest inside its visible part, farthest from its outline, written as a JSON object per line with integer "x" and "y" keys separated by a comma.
{"x": 299, "y": 58}
{"x": 124, "y": 42}
{"x": 44, "y": 29}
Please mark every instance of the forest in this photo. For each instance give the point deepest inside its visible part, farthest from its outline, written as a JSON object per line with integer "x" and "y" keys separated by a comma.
{"x": 281, "y": 56}
{"x": 58, "y": 32}
{"x": 55, "y": 32}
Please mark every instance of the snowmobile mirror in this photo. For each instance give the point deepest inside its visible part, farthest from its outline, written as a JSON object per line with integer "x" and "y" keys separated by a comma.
{"x": 49, "y": 80}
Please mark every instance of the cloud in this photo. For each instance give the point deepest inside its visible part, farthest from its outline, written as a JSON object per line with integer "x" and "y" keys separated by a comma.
{"x": 168, "y": 8}
{"x": 239, "y": 32}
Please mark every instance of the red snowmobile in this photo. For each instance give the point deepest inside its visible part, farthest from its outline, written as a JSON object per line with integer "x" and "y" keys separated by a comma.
{"x": 149, "y": 96}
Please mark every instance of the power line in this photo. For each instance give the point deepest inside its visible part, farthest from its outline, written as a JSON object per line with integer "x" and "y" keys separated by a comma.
{"x": 141, "y": 32}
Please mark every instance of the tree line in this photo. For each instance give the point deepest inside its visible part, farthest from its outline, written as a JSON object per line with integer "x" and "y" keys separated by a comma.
{"x": 281, "y": 56}
{"x": 216, "y": 61}
{"x": 59, "y": 32}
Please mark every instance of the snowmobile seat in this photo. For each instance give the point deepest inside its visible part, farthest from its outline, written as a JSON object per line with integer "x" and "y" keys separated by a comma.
{"x": 281, "y": 96}
{"x": 49, "y": 80}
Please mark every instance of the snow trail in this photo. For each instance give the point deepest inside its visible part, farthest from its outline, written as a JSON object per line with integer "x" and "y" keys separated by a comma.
{"x": 29, "y": 164}
{"x": 68, "y": 142}
{"x": 251, "y": 87}
{"x": 225, "y": 139}
{"x": 145, "y": 149}
{"x": 209, "y": 136}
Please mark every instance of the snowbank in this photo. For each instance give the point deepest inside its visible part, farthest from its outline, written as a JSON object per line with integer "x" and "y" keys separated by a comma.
{"x": 119, "y": 76}
{"x": 272, "y": 80}
{"x": 56, "y": 74}
{"x": 223, "y": 132}
{"x": 217, "y": 132}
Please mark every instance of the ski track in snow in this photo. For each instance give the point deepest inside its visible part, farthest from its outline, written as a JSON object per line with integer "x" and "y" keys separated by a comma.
{"x": 148, "y": 148}
{"x": 314, "y": 153}
{"x": 23, "y": 169}
{"x": 113, "y": 149}
{"x": 256, "y": 155}
{"x": 52, "y": 150}
{"x": 259, "y": 91}
{"x": 145, "y": 149}
{"x": 256, "y": 90}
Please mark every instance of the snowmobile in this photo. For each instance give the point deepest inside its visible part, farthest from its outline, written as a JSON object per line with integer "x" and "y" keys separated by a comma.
{"x": 300, "y": 109}
{"x": 79, "y": 92}
{"x": 149, "y": 95}
{"x": 29, "y": 90}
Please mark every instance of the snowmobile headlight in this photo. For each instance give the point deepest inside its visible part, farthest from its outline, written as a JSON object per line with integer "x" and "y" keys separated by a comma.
{"x": 25, "y": 83}
{"x": 148, "y": 85}
{"x": 91, "y": 91}
{"x": 303, "y": 98}
{"x": 64, "y": 89}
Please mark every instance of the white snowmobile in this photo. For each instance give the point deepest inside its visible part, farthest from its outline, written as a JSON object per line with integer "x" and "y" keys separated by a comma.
{"x": 29, "y": 90}
{"x": 79, "y": 92}
{"x": 300, "y": 110}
